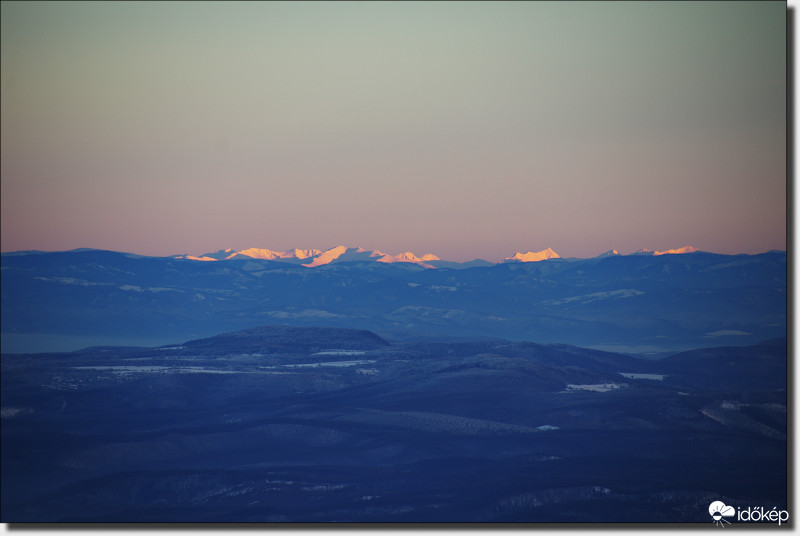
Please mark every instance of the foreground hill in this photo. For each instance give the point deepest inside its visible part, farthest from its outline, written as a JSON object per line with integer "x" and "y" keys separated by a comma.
{"x": 632, "y": 303}
{"x": 304, "y": 424}
{"x": 287, "y": 339}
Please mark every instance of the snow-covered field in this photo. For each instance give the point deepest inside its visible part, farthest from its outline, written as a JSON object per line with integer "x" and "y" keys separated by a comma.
{"x": 642, "y": 376}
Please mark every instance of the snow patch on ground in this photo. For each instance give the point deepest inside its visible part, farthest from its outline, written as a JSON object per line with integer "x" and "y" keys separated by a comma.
{"x": 326, "y": 364}
{"x": 128, "y": 369}
{"x": 546, "y": 427}
{"x": 642, "y": 376}
{"x": 85, "y": 283}
{"x": 340, "y": 352}
{"x": 588, "y": 298}
{"x": 594, "y": 387}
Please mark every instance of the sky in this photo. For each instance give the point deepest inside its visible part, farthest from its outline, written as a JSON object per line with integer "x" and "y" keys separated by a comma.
{"x": 463, "y": 129}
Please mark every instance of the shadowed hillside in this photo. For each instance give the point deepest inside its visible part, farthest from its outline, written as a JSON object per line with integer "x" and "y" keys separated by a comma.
{"x": 619, "y": 303}
{"x": 318, "y": 424}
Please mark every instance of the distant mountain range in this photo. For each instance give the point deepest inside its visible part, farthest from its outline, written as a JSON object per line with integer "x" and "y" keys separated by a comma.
{"x": 645, "y": 302}
{"x": 316, "y": 257}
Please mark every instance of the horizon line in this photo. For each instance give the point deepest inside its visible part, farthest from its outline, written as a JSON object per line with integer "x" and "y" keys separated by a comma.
{"x": 516, "y": 257}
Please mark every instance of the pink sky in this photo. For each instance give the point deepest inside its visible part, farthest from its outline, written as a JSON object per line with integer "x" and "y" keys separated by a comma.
{"x": 460, "y": 129}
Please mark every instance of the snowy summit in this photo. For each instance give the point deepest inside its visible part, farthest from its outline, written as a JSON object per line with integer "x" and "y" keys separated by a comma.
{"x": 312, "y": 258}
{"x": 534, "y": 256}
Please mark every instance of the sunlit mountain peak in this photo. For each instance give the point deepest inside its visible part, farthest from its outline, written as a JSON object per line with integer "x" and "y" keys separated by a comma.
{"x": 684, "y": 249}
{"x": 339, "y": 254}
{"x": 305, "y": 253}
{"x": 327, "y": 256}
{"x": 534, "y": 256}
{"x": 268, "y": 254}
{"x": 259, "y": 253}
{"x": 609, "y": 253}
{"x": 408, "y": 256}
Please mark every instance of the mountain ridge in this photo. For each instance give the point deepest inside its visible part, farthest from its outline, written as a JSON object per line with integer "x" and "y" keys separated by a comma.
{"x": 315, "y": 257}
{"x": 312, "y": 258}
{"x": 618, "y": 301}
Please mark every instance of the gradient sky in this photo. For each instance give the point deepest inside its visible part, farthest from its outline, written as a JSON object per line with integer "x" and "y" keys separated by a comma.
{"x": 464, "y": 129}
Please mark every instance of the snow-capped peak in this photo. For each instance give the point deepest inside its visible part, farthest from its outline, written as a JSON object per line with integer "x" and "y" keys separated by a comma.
{"x": 534, "y": 256}
{"x": 315, "y": 257}
{"x": 304, "y": 253}
{"x": 258, "y": 253}
{"x": 216, "y": 256}
{"x": 684, "y": 249}
{"x": 327, "y": 256}
{"x": 678, "y": 251}
{"x": 410, "y": 257}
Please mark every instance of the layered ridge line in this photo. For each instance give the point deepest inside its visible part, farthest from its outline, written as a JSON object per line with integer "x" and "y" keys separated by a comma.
{"x": 312, "y": 258}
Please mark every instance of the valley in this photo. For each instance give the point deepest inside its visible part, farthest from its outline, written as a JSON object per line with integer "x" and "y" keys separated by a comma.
{"x": 286, "y": 424}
